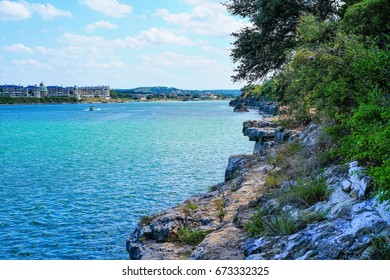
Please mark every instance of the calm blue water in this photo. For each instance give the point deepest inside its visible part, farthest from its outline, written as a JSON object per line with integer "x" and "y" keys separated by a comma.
{"x": 73, "y": 183}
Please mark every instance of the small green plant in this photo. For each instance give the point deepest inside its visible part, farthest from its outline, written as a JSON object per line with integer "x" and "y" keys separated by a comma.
{"x": 143, "y": 238}
{"x": 190, "y": 236}
{"x": 283, "y": 224}
{"x": 288, "y": 122}
{"x": 256, "y": 227}
{"x": 271, "y": 181}
{"x": 271, "y": 160}
{"x": 270, "y": 225}
{"x": 274, "y": 160}
{"x": 312, "y": 217}
{"x": 292, "y": 148}
{"x": 192, "y": 206}
{"x": 221, "y": 214}
{"x": 380, "y": 249}
{"x": 185, "y": 255}
{"x": 146, "y": 220}
{"x": 279, "y": 158}
{"x": 306, "y": 193}
{"x": 220, "y": 204}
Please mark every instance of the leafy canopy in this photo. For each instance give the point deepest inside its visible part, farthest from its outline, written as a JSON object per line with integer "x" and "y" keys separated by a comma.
{"x": 264, "y": 47}
{"x": 334, "y": 59}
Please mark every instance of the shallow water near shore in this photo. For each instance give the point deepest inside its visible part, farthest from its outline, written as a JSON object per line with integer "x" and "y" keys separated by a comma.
{"x": 74, "y": 182}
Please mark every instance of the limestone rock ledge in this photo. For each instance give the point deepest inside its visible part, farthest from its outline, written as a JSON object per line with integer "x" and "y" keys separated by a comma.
{"x": 352, "y": 216}
{"x": 266, "y": 134}
{"x": 346, "y": 232}
{"x": 214, "y": 213}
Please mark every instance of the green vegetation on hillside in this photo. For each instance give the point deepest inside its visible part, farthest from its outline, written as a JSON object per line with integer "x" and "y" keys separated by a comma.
{"x": 324, "y": 57}
{"x": 34, "y": 100}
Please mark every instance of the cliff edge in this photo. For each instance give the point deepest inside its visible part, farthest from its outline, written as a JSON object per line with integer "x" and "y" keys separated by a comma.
{"x": 282, "y": 202}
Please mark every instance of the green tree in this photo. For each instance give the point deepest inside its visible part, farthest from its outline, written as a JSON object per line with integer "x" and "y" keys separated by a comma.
{"x": 265, "y": 46}
{"x": 113, "y": 94}
{"x": 368, "y": 18}
{"x": 335, "y": 59}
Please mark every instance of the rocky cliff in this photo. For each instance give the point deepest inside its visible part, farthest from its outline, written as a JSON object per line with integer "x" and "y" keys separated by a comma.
{"x": 261, "y": 213}
{"x": 265, "y": 107}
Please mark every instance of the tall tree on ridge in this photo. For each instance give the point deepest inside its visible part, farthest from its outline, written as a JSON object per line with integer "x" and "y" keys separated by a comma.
{"x": 265, "y": 45}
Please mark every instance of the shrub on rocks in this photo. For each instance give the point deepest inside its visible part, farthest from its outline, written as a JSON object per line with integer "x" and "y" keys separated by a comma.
{"x": 306, "y": 193}
{"x": 191, "y": 236}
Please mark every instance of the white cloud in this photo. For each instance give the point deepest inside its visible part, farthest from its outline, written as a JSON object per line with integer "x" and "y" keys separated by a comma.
{"x": 115, "y": 64}
{"x": 18, "y": 48}
{"x": 185, "y": 71}
{"x": 172, "y": 59}
{"x": 83, "y": 40}
{"x": 31, "y": 63}
{"x": 108, "y": 7}
{"x": 100, "y": 24}
{"x": 152, "y": 37}
{"x": 128, "y": 42}
{"x": 162, "y": 36}
{"x": 23, "y": 10}
{"x": 41, "y": 49}
{"x": 206, "y": 18}
{"x": 14, "y": 10}
{"x": 48, "y": 11}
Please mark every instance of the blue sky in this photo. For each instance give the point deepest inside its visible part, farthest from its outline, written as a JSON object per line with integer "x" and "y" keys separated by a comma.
{"x": 121, "y": 43}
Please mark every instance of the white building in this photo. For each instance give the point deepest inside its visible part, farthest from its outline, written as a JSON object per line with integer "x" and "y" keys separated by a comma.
{"x": 12, "y": 90}
{"x": 95, "y": 91}
{"x": 55, "y": 91}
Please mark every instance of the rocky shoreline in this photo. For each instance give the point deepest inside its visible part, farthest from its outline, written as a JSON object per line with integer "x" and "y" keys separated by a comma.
{"x": 214, "y": 226}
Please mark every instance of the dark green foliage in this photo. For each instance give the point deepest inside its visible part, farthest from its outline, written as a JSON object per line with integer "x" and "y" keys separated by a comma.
{"x": 34, "y": 100}
{"x": 268, "y": 91}
{"x": 265, "y": 46}
{"x": 292, "y": 148}
{"x": 220, "y": 205}
{"x": 306, "y": 193}
{"x": 380, "y": 249}
{"x": 368, "y": 141}
{"x": 192, "y": 206}
{"x": 369, "y": 18}
{"x": 113, "y": 94}
{"x": 271, "y": 181}
{"x": 146, "y": 220}
{"x": 190, "y": 236}
{"x": 311, "y": 218}
{"x": 338, "y": 65}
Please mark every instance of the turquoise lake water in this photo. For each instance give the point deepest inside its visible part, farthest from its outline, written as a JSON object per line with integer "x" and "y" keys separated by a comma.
{"x": 73, "y": 183}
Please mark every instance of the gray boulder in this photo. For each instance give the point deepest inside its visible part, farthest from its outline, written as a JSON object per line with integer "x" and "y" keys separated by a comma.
{"x": 256, "y": 134}
{"x": 236, "y": 163}
{"x": 241, "y": 107}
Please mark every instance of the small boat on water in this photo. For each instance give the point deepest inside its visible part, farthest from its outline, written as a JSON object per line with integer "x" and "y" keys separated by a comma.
{"x": 92, "y": 108}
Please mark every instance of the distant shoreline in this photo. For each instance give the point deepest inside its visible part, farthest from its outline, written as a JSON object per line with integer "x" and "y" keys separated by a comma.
{"x": 113, "y": 102}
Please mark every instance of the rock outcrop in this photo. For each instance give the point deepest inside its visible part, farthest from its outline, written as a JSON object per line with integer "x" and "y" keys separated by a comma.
{"x": 213, "y": 213}
{"x": 349, "y": 217}
{"x": 241, "y": 107}
{"x": 345, "y": 232}
{"x": 265, "y": 107}
{"x": 266, "y": 134}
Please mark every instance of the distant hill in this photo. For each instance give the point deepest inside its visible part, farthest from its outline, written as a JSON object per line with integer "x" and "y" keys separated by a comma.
{"x": 168, "y": 90}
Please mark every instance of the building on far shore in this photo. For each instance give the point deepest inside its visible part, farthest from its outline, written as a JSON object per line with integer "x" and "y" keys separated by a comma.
{"x": 55, "y": 91}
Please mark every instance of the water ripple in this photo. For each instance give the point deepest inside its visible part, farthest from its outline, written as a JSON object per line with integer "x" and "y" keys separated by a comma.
{"x": 74, "y": 183}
